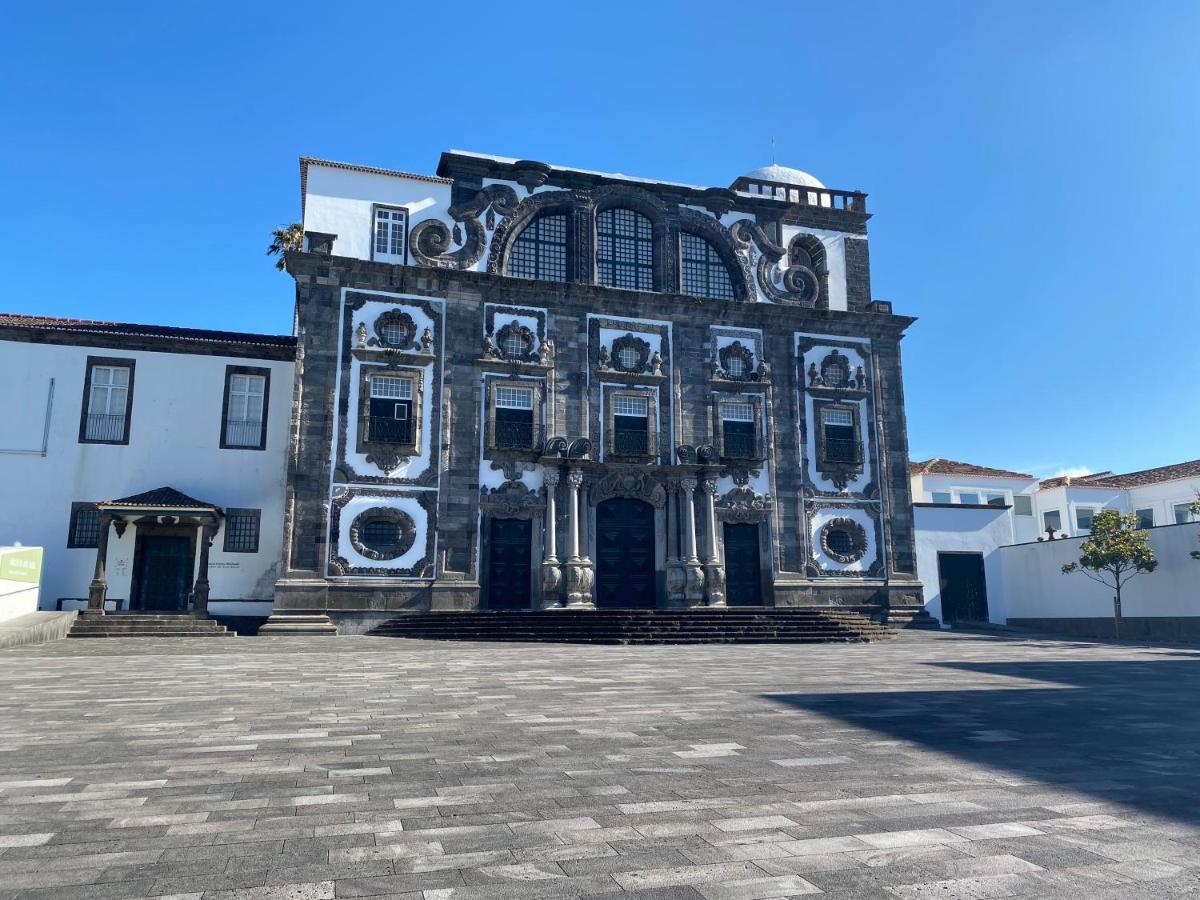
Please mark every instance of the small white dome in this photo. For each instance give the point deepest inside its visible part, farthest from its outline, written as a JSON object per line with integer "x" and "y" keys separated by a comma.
{"x": 784, "y": 175}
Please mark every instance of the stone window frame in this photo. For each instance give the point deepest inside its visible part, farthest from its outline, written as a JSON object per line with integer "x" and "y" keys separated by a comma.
{"x": 738, "y": 350}
{"x": 712, "y": 263}
{"x": 858, "y": 540}
{"x": 77, "y": 508}
{"x": 115, "y": 362}
{"x": 823, "y": 463}
{"x": 404, "y": 320}
{"x": 538, "y": 385}
{"x": 528, "y": 338}
{"x": 263, "y": 373}
{"x": 393, "y": 258}
{"x": 408, "y": 532}
{"x": 634, "y": 342}
{"x": 560, "y": 211}
{"x": 416, "y": 374}
{"x": 650, "y": 395}
{"x": 757, "y": 402}
{"x": 653, "y": 269}
{"x": 233, "y": 512}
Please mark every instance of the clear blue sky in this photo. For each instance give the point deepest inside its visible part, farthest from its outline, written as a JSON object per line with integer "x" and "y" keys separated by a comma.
{"x": 1032, "y": 168}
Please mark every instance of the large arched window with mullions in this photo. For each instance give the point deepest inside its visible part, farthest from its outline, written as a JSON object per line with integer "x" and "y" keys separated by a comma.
{"x": 540, "y": 250}
{"x": 624, "y": 249}
{"x": 702, "y": 272}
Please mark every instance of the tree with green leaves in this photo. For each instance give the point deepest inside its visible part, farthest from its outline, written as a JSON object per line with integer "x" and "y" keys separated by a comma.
{"x": 1115, "y": 552}
{"x": 283, "y": 239}
{"x": 1196, "y": 512}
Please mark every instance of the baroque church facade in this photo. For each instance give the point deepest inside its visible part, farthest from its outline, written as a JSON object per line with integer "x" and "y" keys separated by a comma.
{"x": 524, "y": 386}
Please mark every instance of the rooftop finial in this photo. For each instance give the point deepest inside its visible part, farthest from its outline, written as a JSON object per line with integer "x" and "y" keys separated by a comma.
{"x": 772, "y": 149}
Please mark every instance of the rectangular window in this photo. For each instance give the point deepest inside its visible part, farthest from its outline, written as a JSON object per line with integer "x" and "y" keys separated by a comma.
{"x": 969, "y": 498}
{"x": 244, "y": 422}
{"x": 1052, "y": 518}
{"x": 514, "y": 398}
{"x": 390, "y": 227}
{"x": 1022, "y": 505}
{"x": 840, "y": 445}
{"x": 995, "y": 498}
{"x": 513, "y": 427}
{"x": 107, "y": 401}
{"x": 631, "y": 424}
{"x": 738, "y": 430}
{"x": 1183, "y": 513}
{"x": 241, "y": 530}
{"x": 1083, "y": 517}
{"x": 941, "y": 496}
{"x": 390, "y": 414}
{"x": 84, "y": 530}
{"x": 1145, "y": 518}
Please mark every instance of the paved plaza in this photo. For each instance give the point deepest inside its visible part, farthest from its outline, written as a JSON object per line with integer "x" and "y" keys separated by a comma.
{"x": 935, "y": 765}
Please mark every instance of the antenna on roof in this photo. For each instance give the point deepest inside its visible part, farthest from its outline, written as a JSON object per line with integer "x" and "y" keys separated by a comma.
{"x": 772, "y": 149}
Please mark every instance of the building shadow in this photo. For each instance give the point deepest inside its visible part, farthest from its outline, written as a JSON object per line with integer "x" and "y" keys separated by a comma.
{"x": 1125, "y": 732}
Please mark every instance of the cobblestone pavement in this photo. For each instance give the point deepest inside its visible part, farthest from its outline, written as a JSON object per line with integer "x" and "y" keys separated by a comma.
{"x": 948, "y": 766}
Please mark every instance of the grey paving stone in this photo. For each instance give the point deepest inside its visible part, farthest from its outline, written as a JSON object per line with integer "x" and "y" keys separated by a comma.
{"x": 482, "y": 772}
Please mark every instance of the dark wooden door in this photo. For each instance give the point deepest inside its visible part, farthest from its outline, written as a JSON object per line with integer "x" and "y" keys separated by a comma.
{"x": 163, "y": 572}
{"x": 625, "y": 573}
{"x": 509, "y": 563}
{"x": 963, "y": 587}
{"x": 743, "y": 577}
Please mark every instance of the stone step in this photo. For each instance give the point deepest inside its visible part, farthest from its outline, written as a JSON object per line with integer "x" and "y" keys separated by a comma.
{"x": 140, "y": 624}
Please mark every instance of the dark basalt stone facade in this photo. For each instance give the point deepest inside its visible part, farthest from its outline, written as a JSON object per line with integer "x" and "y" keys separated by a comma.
{"x": 515, "y": 399}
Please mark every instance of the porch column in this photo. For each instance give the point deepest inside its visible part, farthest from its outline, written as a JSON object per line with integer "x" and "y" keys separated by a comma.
{"x": 579, "y": 567}
{"x": 551, "y": 573}
{"x": 676, "y": 577}
{"x": 200, "y": 591}
{"x": 98, "y": 589}
{"x": 693, "y": 591}
{"x": 714, "y": 572}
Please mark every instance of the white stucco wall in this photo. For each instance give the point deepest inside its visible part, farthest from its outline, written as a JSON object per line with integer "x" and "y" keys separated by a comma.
{"x": 175, "y": 435}
{"x": 1037, "y": 588}
{"x": 962, "y": 530}
{"x": 1021, "y": 528}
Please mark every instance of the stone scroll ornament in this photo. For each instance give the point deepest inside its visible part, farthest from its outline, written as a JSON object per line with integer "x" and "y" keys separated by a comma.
{"x": 781, "y": 282}
{"x": 431, "y": 241}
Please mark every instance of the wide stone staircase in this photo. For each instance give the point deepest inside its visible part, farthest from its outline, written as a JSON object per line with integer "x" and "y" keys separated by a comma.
{"x": 136, "y": 624}
{"x": 804, "y": 625}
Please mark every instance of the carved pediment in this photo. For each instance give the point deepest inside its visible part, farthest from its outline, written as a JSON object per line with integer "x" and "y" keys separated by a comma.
{"x": 633, "y": 483}
{"x": 512, "y": 500}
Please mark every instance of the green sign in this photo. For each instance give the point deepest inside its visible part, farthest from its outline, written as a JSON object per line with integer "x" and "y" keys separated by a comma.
{"x": 21, "y": 564}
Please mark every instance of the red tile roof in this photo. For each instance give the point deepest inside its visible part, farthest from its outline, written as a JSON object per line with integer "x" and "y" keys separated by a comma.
{"x": 51, "y": 323}
{"x": 939, "y": 466}
{"x": 1129, "y": 479}
{"x": 163, "y": 498}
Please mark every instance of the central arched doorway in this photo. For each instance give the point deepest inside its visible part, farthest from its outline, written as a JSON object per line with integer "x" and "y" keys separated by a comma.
{"x": 625, "y": 572}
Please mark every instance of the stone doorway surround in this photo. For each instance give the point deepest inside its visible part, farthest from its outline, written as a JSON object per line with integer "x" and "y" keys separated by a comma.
{"x": 162, "y": 511}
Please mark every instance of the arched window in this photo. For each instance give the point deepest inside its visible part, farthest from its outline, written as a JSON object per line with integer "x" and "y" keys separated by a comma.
{"x": 540, "y": 250}
{"x": 624, "y": 249}
{"x": 703, "y": 272}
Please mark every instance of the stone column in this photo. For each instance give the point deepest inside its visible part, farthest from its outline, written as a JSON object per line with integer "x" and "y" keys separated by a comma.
{"x": 98, "y": 589}
{"x": 208, "y": 531}
{"x": 551, "y": 573}
{"x": 676, "y": 577}
{"x": 714, "y": 572}
{"x": 579, "y": 568}
{"x": 693, "y": 591}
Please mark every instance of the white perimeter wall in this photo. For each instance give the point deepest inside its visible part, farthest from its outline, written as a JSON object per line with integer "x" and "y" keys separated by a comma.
{"x": 962, "y": 530}
{"x": 1037, "y": 588}
{"x": 174, "y": 440}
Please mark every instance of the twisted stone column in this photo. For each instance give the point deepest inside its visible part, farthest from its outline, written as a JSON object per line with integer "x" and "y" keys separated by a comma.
{"x": 580, "y": 576}
{"x": 693, "y": 591}
{"x": 551, "y": 573}
{"x": 676, "y": 576}
{"x": 714, "y": 572}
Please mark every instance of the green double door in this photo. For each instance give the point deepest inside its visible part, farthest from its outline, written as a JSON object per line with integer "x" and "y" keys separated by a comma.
{"x": 162, "y": 576}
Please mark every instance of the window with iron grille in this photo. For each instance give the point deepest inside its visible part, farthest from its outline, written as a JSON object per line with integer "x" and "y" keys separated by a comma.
{"x": 513, "y": 398}
{"x": 241, "y": 530}
{"x": 108, "y": 391}
{"x": 540, "y": 250}
{"x": 245, "y": 406}
{"x": 84, "y": 529}
{"x": 738, "y": 430}
{"x": 631, "y": 424}
{"x": 625, "y": 249}
{"x": 512, "y": 427}
{"x": 702, "y": 271}
{"x": 390, "y": 411}
{"x": 390, "y": 226}
{"x": 840, "y": 443}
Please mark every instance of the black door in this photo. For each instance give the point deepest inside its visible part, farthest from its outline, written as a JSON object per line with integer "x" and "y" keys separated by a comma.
{"x": 625, "y": 574}
{"x": 162, "y": 572}
{"x": 509, "y": 563}
{"x": 743, "y": 580}
{"x": 963, "y": 587}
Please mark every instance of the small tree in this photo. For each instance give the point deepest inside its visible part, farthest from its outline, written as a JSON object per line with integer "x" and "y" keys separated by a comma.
{"x": 1116, "y": 552}
{"x": 1195, "y": 507}
{"x": 283, "y": 239}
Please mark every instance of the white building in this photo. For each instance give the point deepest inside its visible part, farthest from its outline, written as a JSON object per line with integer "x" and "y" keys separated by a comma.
{"x": 968, "y": 518}
{"x": 168, "y": 430}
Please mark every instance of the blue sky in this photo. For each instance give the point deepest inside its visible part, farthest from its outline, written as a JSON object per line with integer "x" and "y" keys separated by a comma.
{"x": 1032, "y": 168}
